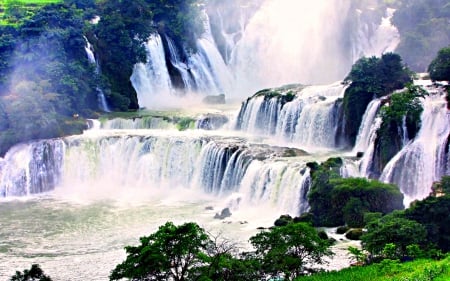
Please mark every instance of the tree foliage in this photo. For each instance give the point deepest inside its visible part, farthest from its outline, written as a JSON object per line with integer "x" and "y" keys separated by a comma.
{"x": 401, "y": 117}
{"x": 290, "y": 251}
{"x": 395, "y": 232}
{"x": 424, "y": 29}
{"x": 371, "y": 78}
{"x": 33, "y": 274}
{"x": 439, "y": 68}
{"x": 171, "y": 253}
{"x": 335, "y": 201}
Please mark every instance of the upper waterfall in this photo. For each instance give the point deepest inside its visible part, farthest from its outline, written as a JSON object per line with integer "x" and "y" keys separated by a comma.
{"x": 277, "y": 43}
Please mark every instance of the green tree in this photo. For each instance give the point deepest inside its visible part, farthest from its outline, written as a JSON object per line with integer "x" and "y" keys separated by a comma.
{"x": 432, "y": 213}
{"x": 33, "y": 274}
{"x": 371, "y": 78}
{"x": 320, "y": 192}
{"x": 352, "y": 197}
{"x": 393, "y": 230}
{"x": 290, "y": 251}
{"x": 439, "y": 68}
{"x": 171, "y": 253}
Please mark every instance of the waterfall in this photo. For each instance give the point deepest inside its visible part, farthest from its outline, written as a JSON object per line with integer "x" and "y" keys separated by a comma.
{"x": 179, "y": 65}
{"x": 311, "y": 119}
{"x": 277, "y": 183}
{"x": 31, "y": 168}
{"x": 374, "y": 40}
{"x": 146, "y": 122}
{"x": 103, "y": 105}
{"x": 157, "y": 159}
{"x": 152, "y": 80}
{"x": 289, "y": 41}
{"x": 423, "y": 160}
{"x": 262, "y": 44}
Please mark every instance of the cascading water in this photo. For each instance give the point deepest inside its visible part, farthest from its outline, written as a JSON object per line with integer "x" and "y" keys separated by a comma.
{"x": 204, "y": 163}
{"x": 152, "y": 80}
{"x": 103, "y": 105}
{"x": 311, "y": 119}
{"x": 374, "y": 39}
{"x": 423, "y": 160}
{"x": 31, "y": 168}
{"x": 280, "y": 42}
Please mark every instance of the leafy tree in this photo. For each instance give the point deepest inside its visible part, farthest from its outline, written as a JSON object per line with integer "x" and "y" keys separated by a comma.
{"x": 33, "y": 274}
{"x": 352, "y": 197}
{"x": 171, "y": 253}
{"x": 439, "y": 68}
{"x": 370, "y": 78}
{"x": 432, "y": 213}
{"x": 395, "y": 232}
{"x": 290, "y": 251}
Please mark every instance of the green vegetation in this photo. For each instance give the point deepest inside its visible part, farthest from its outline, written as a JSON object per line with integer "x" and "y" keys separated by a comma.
{"x": 336, "y": 201}
{"x": 371, "y": 78}
{"x": 187, "y": 252}
{"x": 403, "y": 110}
{"x": 439, "y": 68}
{"x": 33, "y": 274}
{"x": 290, "y": 251}
{"x": 173, "y": 252}
{"x": 45, "y": 75}
{"x": 418, "y": 270}
{"x": 46, "y": 78}
{"x": 14, "y": 12}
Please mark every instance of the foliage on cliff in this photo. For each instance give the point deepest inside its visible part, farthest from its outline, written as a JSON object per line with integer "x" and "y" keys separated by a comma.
{"x": 401, "y": 117}
{"x": 45, "y": 78}
{"x": 371, "y": 78}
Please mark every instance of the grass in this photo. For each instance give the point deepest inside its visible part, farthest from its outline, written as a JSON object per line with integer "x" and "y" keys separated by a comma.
{"x": 419, "y": 270}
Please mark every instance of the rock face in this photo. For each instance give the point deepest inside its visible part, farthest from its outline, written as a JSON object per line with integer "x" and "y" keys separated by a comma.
{"x": 219, "y": 99}
{"x": 224, "y": 214}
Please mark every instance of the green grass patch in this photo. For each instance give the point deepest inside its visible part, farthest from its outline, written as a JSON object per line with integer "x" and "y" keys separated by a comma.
{"x": 388, "y": 270}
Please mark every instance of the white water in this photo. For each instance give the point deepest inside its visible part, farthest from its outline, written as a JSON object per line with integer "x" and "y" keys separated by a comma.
{"x": 152, "y": 79}
{"x": 375, "y": 40}
{"x": 421, "y": 161}
{"x": 103, "y": 105}
{"x": 310, "y": 120}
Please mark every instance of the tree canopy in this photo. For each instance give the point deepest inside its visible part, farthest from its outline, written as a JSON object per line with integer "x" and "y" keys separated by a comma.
{"x": 172, "y": 252}
{"x": 35, "y": 273}
{"x": 371, "y": 78}
{"x": 439, "y": 68}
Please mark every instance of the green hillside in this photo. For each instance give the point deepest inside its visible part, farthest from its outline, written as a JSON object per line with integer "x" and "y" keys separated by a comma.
{"x": 13, "y": 11}
{"x": 420, "y": 270}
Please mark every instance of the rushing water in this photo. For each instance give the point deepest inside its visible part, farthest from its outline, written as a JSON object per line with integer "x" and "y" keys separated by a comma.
{"x": 83, "y": 198}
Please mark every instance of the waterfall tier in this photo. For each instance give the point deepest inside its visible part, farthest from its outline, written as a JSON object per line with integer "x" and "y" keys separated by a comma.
{"x": 303, "y": 116}
{"x": 160, "y": 160}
